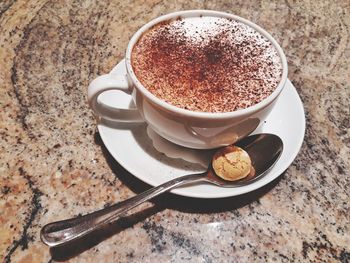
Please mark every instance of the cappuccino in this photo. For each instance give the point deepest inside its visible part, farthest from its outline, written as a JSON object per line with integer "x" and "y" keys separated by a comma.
{"x": 206, "y": 64}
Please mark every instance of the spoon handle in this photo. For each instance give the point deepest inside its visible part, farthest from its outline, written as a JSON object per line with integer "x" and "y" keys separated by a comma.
{"x": 61, "y": 232}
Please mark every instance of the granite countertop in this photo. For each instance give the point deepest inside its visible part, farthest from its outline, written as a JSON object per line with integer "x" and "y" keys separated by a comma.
{"x": 53, "y": 164}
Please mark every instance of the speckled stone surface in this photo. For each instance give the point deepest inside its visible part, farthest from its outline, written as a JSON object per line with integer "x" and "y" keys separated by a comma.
{"x": 53, "y": 164}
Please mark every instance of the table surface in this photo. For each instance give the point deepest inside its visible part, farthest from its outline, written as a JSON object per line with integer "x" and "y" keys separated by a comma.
{"x": 53, "y": 164}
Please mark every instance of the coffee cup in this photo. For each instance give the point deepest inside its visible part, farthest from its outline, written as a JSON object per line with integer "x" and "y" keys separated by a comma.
{"x": 190, "y": 128}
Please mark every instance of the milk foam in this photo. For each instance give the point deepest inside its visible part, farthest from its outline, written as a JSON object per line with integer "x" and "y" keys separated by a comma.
{"x": 209, "y": 64}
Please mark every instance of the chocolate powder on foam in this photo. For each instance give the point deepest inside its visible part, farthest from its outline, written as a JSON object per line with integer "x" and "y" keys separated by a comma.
{"x": 207, "y": 64}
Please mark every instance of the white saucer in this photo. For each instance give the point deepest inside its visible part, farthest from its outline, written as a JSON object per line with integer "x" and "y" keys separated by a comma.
{"x": 130, "y": 145}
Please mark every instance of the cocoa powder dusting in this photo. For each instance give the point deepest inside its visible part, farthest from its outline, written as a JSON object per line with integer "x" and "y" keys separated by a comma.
{"x": 207, "y": 64}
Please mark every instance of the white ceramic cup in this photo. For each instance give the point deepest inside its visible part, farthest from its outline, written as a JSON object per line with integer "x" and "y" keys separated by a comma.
{"x": 199, "y": 130}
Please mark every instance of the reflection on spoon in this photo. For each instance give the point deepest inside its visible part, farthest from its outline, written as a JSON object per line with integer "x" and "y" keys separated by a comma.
{"x": 263, "y": 150}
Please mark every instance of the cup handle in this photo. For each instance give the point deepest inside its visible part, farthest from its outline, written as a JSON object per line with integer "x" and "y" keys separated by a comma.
{"x": 111, "y": 82}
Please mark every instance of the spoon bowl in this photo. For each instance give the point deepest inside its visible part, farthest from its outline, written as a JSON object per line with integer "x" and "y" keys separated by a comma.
{"x": 263, "y": 150}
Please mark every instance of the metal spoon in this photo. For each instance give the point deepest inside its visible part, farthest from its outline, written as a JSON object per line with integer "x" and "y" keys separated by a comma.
{"x": 263, "y": 149}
